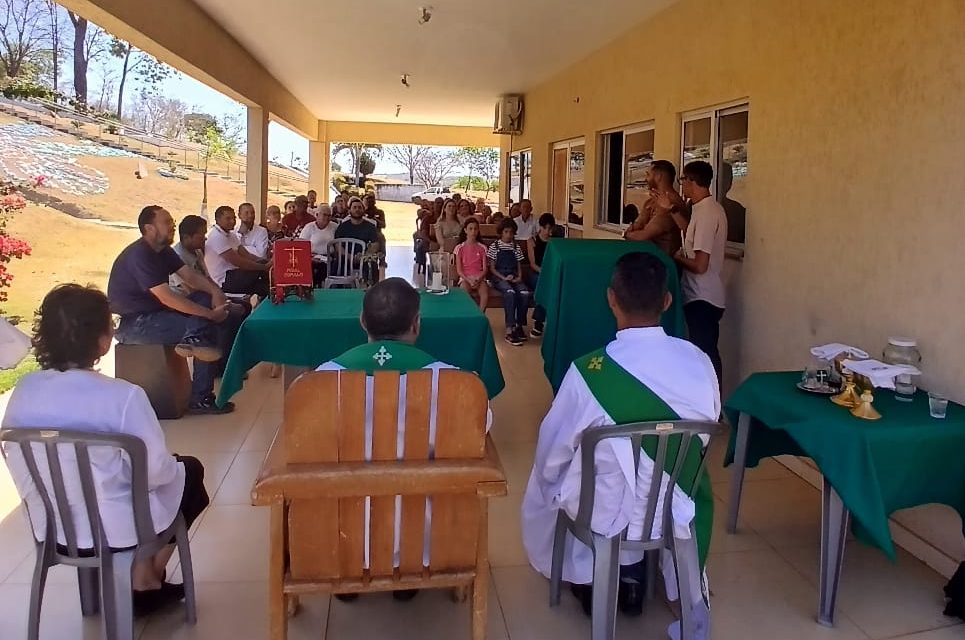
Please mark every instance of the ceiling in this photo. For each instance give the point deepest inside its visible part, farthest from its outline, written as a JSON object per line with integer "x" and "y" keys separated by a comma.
{"x": 344, "y": 60}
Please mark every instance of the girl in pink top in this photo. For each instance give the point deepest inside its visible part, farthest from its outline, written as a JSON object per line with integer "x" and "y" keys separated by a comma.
{"x": 471, "y": 262}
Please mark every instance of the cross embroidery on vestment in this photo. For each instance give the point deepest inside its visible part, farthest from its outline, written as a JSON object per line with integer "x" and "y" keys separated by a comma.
{"x": 596, "y": 364}
{"x": 382, "y": 356}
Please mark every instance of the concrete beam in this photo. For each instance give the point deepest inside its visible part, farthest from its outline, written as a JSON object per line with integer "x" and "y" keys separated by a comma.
{"x": 182, "y": 35}
{"x": 256, "y": 178}
{"x": 403, "y": 133}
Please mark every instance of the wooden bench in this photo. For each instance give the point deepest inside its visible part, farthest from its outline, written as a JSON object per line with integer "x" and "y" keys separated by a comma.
{"x": 316, "y": 479}
{"x": 158, "y": 370}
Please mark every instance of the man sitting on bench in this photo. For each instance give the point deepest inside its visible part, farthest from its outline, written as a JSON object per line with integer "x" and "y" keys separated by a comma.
{"x": 390, "y": 317}
{"x": 641, "y": 376}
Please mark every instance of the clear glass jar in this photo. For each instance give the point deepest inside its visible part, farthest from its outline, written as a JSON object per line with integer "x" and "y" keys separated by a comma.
{"x": 904, "y": 351}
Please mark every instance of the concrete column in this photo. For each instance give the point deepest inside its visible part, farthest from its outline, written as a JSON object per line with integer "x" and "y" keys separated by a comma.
{"x": 256, "y": 178}
{"x": 319, "y": 163}
{"x": 505, "y": 146}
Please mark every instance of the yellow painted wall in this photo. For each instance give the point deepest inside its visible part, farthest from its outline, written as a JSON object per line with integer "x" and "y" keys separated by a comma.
{"x": 856, "y": 195}
{"x": 855, "y": 148}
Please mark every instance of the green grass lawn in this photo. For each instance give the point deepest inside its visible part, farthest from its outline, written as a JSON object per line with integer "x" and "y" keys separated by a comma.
{"x": 9, "y": 377}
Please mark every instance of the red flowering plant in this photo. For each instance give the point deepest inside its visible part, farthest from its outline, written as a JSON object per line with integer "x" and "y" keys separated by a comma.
{"x": 11, "y": 201}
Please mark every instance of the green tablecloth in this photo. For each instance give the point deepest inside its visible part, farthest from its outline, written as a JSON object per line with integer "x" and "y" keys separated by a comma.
{"x": 308, "y": 333}
{"x": 903, "y": 460}
{"x": 572, "y": 287}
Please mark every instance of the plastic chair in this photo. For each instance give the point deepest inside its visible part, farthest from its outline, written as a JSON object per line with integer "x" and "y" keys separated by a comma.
{"x": 673, "y": 442}
{"x": 345, "y": 265}
{"x": 101, "y": 564}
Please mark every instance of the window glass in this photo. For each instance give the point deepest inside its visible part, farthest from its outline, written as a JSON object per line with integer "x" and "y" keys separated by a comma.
{"x": 577, "y": 162}
{"x": 731, "y": 172}
{"x": 637, "y": 158}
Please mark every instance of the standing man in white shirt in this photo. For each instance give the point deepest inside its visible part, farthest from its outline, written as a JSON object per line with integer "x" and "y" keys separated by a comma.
{"x": 701, "y": 260}
{"x": 229, "y": 264}
{"x": 254, "y": 237}
{"x": 526, "y": 225}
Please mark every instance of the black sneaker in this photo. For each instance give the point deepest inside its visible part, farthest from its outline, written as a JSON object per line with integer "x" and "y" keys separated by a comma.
{"x": 208, "y": 407}
{"x": 513, "y": 338}
{"x": 521, "y": 333}
{"x": 537, "y": 329}
{"x": 199, "y": 350}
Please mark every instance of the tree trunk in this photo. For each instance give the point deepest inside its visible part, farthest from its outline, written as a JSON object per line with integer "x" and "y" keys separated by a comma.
{"x": 55, "y": 42}
{"x": 80, "y": 59}
{"x": 411, "y": 175}
{"x": 120, "y": 91}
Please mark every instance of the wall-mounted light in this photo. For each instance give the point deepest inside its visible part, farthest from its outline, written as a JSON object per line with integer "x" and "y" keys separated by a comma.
{"x": 398, "y": 110}
{"x": 405, "y": 80}
{"x": 425, "y": 14}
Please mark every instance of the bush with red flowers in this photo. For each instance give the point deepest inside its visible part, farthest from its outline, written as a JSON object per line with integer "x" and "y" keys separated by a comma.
{"x": 11, "y": 201}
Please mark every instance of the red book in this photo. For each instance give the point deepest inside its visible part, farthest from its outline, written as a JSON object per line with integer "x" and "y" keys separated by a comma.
{"x": 292, "y": 263}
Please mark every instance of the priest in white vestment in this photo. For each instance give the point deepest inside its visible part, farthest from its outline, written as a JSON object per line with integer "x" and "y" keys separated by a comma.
{"x": 675, "y": 372}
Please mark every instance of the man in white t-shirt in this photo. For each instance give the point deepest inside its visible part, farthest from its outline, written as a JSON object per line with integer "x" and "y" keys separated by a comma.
{"x": 229, "y": 264}
{"x": 526, "y": 225}
{"x": 320, "y": 234}
{"x": 701, "y": 260}
{"x": 254, "y": 237}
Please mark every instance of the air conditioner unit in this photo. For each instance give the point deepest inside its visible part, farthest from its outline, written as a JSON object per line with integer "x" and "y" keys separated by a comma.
{"x": 509, "y": 115}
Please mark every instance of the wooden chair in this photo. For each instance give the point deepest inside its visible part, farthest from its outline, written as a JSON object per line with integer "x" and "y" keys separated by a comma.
{"x": 316, "y": 479}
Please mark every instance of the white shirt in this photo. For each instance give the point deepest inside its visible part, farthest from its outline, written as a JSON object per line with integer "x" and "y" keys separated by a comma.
{"x": 255, "y": 241}
{"x": 676, "y": 371}
{"x": 320, "y": 238}
{"x": 219, "y": 242}
{"x": 88, "y": 401}
{"x": 706, "y": 232}
{"x": 525, "y": 229}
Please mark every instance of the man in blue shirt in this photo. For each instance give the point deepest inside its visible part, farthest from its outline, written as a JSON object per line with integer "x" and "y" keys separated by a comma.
{"x": 154, "y": 313}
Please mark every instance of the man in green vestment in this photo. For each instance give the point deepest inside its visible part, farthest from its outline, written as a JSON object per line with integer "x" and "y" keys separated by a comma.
{"x": 642, "y": 375}
{"x": 390, "y": 318}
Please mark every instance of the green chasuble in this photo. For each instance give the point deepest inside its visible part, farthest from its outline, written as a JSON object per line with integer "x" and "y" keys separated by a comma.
{"x": 627, "y": 400}
{"x": 384, "y": 355}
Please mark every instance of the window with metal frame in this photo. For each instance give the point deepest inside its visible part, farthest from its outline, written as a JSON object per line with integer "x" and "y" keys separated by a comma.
{"x": 626, "y": 155}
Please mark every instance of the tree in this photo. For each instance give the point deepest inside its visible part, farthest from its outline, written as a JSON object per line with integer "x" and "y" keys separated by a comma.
{"x": 54, "y": 10}
{"x": 88, "y": 45}
{"x": 355, "y": 151}
{"x": 483, "y": 161}
{"x": 407, "y": 155}
{"x": 434, "y": 166}
{"x": 470, "y": 183}
{"x": 22, "y": 34}
{"x": 148, "y": 69}
{"x": 215, "y": 145}
{"x": 366, "y": 164}
{"x": 159, "y": 115}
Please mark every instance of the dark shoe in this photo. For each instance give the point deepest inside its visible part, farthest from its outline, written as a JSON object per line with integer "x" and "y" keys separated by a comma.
{"x": 537, "y": 329}
{"x": 147, "y": 602}
{"x": 405, "y": 594}
{"x": 513, "y": 339}
{"x": 199, "y": 350}
{"x": 584, "y": 593}
{"x": 521, "y": 332}
{"x": 208, "y": 407}
{"x": 347, "y": 597}
{"x": 630, "y": 598}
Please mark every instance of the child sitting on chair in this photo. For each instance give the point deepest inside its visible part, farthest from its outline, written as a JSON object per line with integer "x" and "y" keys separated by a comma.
{"x": 506, "y": 273}
{"x": 471, "y": 262}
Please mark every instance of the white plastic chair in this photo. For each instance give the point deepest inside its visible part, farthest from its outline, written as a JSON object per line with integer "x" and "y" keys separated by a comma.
{"x": 606, "y": 551}
{"x": 101, "y": 565}
{"x": 345, "y": 263}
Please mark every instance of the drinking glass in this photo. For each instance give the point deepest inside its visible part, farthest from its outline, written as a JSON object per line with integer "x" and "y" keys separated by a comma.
{"x": 937, "y": 405}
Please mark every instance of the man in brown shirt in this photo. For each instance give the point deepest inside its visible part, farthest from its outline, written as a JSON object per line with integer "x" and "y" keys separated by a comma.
{"x": 655, "y": 224}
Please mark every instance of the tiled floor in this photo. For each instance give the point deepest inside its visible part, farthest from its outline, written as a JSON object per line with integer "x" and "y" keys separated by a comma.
{"x": 763, "y": 580}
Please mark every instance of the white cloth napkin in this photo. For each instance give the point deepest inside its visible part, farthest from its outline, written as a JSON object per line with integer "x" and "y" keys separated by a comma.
{"x": 833, "y": 350}
{"x": 882, "y": 375}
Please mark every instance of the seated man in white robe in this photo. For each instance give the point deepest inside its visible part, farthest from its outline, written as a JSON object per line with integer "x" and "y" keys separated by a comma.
{"x": 390, "y": 317}
{"x": 656, "y": 377}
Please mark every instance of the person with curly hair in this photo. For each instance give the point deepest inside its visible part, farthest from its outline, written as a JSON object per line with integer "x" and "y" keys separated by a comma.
{"x": 72, "y": 331}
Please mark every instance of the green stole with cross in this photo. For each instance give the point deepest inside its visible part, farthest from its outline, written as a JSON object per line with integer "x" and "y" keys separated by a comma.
{"x": 384, "y": 355}
{"x": 627, "y": 400}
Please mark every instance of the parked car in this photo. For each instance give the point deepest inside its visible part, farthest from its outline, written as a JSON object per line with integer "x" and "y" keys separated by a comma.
{"x": 431, "y": 194}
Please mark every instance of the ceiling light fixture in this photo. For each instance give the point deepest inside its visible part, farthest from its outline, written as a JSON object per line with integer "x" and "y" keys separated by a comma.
{"x": 398, "y": 110}
{"x": 425, "y": 14}
{"x": 405, "y": 80}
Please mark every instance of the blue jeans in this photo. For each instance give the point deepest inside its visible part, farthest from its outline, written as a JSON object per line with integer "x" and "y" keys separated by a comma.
{"x": 516, "y": 298}
{"x": 171, "y": 327}
{"x": 539, "y": 312}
